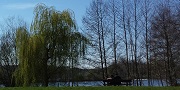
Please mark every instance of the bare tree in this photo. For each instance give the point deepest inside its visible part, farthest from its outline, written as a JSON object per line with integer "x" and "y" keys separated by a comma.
{"x": 95, "y": 28}
{"x": 135, "y": 40}
{"x": 114, "y": 22}
{"x": 8, "y": 59}
{"x": 146, "y": 16}
{"x": 165, "y": 34}
{"x": 125, "y": 36}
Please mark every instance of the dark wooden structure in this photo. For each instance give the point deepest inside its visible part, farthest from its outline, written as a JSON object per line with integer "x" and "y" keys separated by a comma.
{"x": 117, "y": 82}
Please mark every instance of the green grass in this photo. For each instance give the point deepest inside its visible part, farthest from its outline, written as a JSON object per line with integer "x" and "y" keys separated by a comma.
{"x": 92, "y": 88}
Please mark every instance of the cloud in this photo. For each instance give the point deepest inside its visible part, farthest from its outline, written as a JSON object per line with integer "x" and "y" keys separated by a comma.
{"x": 17, "y": 6}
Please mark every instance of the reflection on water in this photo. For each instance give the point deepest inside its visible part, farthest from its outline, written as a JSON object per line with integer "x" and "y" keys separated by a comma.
{"x": 84, "y": 83}
{"x": 143, "y": 82}
{"x": 155, "y": 82}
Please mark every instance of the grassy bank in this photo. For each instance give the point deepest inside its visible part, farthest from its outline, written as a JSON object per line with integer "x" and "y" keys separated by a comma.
{"x": 92, "y": 88}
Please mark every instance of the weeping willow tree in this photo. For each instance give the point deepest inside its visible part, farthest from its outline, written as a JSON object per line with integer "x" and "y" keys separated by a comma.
{"x": 53, "y": 41}
{"x": 22, "y": 48}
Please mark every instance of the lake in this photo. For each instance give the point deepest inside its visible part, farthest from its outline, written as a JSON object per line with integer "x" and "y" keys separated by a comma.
{"x": 144, "y": 82}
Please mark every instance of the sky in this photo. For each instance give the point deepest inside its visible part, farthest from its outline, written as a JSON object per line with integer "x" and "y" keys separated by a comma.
{"x": 24, "y": 8}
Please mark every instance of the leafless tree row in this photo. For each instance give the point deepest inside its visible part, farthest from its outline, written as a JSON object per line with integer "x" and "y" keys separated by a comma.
{"x": 139, "y": 31}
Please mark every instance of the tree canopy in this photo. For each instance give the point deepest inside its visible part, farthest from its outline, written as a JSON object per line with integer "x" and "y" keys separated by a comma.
{"x": 52, "y": 41}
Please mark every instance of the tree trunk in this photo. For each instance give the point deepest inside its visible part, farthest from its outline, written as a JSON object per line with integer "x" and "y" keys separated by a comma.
{"x": 103, "y": 43}
{"x": 126, "y": 41}
{"x": 147, "y": 46}
{"x": 99, "y": 41}
{"x": 135, "y": 41}
{"x": 45, "y": 66}
{"x": 114, "y": 35}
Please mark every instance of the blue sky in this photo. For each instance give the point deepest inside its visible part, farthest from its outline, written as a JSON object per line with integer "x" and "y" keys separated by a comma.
{"x": 24, "y": 8}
